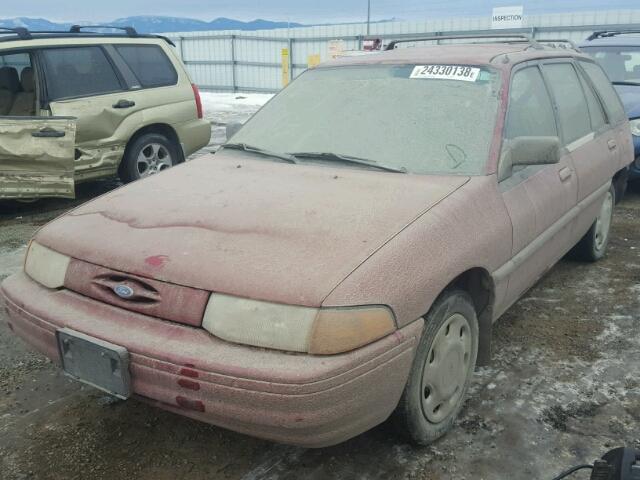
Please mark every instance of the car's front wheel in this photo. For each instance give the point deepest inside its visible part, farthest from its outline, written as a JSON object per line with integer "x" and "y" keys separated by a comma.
{"x": 147, "y": 155}
{"x": 593, "y": 245}
{"x": 442, "y": 369}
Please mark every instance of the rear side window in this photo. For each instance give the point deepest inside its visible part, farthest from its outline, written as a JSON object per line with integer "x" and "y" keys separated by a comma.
{"x": 605, "y": 90}
{"x": 573, "y": 112}
{"x": 149, "y": 64}
{"x": 530, "y": 109}
{"x": 598, "y": 120}
{"x": 79, "y": 72}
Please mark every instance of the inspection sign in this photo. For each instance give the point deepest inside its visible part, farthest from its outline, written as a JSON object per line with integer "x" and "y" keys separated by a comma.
{"x": 507, "y": 17}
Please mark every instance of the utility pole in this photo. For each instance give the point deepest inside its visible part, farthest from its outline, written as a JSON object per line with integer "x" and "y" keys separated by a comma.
{"x": 368, "y": 16}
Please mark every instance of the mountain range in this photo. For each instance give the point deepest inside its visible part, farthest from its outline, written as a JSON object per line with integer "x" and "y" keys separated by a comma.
{"x": 154, "y": 24}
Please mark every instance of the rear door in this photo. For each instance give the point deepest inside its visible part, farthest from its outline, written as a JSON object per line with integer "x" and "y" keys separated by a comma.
{"x": 36, "y": 157}
{"x": 82, "y": 81}
{"x": 538, "y": 197}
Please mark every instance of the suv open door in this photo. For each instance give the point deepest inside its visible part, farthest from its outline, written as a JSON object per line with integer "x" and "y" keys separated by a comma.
{"x": 37, "y": 157}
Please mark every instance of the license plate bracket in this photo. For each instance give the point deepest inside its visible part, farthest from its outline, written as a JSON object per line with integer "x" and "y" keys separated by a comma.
{"x": 95, "y": 362}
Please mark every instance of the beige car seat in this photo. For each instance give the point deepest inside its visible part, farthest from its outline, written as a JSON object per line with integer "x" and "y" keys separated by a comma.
{"x": 24, "y": 104}
{"x": 9, "y": 87}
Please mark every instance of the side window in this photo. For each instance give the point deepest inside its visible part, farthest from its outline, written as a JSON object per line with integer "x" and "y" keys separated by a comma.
{"x": 149, "y": 64}
{"x": 530, "y": 110}
{"x": 605, "y": 90}
{"x": 17, "y": 85}
{"x": 573, "y": 112}
{"x": 79, "y": 72}
{"x": 598, "y": 119}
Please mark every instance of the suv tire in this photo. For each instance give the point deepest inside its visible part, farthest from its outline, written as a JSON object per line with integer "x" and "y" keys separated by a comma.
{"x": 148, "y": 155}
{"x": 593, "y": 246}
{"x": 442, "y": 370}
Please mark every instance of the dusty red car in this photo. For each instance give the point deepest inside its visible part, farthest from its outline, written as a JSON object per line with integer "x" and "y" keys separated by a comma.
{"x": 344, "y": 256}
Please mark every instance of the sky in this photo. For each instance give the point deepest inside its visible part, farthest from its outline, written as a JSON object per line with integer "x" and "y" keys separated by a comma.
{"x": 303, "y": 11}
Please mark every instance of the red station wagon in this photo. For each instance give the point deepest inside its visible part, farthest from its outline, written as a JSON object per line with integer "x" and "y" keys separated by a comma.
{"x": 343, "y": 258}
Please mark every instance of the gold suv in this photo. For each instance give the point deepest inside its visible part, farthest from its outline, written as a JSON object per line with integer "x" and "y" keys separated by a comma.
{"x": 81, "y": 105}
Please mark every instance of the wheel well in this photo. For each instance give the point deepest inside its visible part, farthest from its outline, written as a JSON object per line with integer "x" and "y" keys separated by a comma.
{"x": 477, "y": 282}
{"x": 160, "y": 128}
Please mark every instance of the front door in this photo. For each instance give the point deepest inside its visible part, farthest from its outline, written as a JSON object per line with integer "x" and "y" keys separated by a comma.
{"x": 537, "y": 197}
{"x": 36, "y": 157}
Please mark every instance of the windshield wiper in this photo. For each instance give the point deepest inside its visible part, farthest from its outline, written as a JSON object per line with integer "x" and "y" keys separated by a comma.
{"x": 635, "y": 84}
{"x": 336, "y": 157}
{"x": 260, "y": 151}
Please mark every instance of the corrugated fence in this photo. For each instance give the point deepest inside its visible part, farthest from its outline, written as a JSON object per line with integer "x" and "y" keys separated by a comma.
{"x": 238, "y": 61}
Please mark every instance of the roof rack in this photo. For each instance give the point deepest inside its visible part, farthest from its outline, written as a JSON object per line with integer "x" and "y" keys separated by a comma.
{"x": 130, "y": 31}
{"x": 561, "y": 43}
{"x": 516, "y": 38}
{"x": 609, "y": 33}
{"x": 21, "y": 33}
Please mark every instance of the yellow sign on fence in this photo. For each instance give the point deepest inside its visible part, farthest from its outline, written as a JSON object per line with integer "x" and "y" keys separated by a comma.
{"x": 313, "y": 60}
{"x": 285, "y": 67}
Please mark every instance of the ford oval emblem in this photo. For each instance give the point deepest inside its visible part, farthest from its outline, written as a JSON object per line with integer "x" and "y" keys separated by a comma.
{"x": 123, "y": 291}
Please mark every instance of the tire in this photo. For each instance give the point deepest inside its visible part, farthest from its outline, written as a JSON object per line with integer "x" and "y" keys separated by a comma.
{"x": 154, "y": 150}
{"x": 430, "y": 405}
{"x": 593, "y": 246}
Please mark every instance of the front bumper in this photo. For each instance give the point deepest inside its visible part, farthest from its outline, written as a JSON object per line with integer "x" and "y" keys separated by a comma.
{"x": 305, "y": 400}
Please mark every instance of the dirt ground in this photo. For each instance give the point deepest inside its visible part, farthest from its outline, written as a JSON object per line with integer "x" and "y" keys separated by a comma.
{"x": 562, "y": 389}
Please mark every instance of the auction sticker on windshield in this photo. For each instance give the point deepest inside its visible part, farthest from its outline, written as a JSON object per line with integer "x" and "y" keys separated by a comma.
{"x": 446, "y": 72}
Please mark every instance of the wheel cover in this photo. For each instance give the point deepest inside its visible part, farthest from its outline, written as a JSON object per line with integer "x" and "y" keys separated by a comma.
{"x": 603, "y": 222}
{"x": 153, "y": 158}
{"x": 446, "y": 368}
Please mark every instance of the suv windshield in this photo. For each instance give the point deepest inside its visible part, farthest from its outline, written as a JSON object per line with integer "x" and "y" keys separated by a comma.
{"x": 622, "y": 64}
{"x": 405, "y": 117}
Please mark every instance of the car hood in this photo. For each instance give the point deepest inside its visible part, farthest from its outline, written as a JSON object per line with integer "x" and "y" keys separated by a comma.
{"x": 630, "y": 96}
{"x": 240, "y": 225}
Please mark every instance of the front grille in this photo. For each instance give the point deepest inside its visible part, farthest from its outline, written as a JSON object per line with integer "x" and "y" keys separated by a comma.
{"x": 151, "y": 297}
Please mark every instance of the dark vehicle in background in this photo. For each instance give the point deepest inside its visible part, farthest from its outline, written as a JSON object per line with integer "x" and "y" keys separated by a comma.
{"x": 618, "y": 53}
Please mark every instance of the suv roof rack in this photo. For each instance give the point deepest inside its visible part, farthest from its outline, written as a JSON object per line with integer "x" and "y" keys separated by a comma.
{"x": 130, "y": 31}
{"x": 609, "y": 33}
{"x": 21, "y": 33}
{"x": 516, "y": 38}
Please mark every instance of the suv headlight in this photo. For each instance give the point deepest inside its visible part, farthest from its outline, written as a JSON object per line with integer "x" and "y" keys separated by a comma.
{"x": 635, "y": 127}
{"x": 321, "y": 331}
{"x": 46, "y": 266}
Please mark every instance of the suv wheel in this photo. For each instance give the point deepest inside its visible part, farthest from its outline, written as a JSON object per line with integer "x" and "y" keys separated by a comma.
{"x": 593, "y": 245}
{"x": 442, "y": 369}
{"x": 148, "y": 155}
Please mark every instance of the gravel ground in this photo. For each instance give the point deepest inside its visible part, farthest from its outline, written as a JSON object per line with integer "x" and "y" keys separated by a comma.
{"x": 562, "y": 389}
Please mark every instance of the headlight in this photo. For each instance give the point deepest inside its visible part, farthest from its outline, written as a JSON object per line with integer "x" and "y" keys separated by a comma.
{"x": 46, "y": 266}
{"x": 321, "y": 331}
{"x": 635, "y": 127}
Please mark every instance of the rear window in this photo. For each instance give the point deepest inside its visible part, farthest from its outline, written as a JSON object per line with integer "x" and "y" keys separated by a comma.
{"x": 573, "y": 112}
{"x": 149, "y": 64}
{"x": 605, "y": 90}
{"x": 79, "y": 72}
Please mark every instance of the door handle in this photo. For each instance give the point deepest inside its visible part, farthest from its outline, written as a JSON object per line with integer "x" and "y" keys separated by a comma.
{"x": 124, "y": 104}
{"x": 565, "y": 174}
{"x": 48, "y": 132}
{"x": 612, "y": 144}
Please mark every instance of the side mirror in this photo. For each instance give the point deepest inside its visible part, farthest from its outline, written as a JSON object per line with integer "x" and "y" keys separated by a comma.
{"x": 232, "y": 128}
{"x": 528, "y": 151}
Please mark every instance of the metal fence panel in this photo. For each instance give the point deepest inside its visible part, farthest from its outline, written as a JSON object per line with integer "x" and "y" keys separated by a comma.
{"x": 242, "y": 61}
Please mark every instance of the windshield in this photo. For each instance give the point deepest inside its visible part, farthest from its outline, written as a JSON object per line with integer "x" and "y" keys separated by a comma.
{"x": 622, "y": 64}
{"x": 390, "y": 115}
